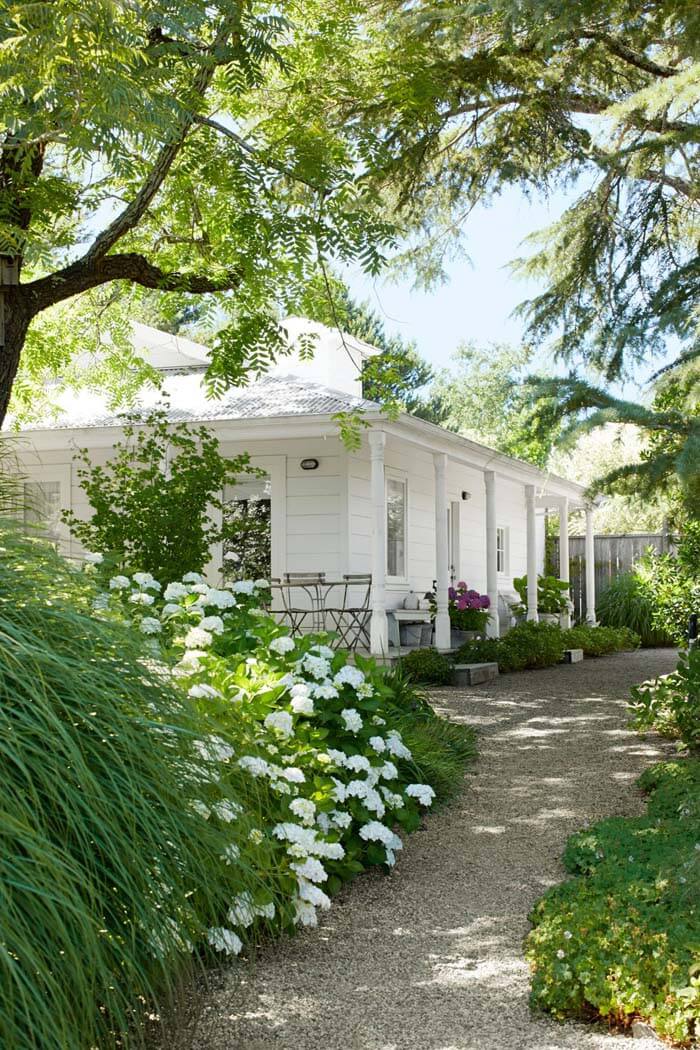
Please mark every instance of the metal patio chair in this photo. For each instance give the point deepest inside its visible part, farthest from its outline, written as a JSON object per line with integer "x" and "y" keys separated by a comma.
{"x": 351, "y": 621}
{"x": 309, "y": 615}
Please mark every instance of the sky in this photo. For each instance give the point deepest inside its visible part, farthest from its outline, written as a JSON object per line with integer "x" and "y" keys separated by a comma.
{"x": 478, "y": 302}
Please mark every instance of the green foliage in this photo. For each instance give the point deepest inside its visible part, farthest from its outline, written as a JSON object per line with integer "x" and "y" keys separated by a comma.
{"x": 673, "y": 584}
{"x": 628, "y": 602}
{"x": 528, "y": 645}
{"x": 484, "y": 399}
{"x": 108, "y": 872}
{"x": 427, "y": 666}
{"x": 671, "y": 704}
{"x": 245, "y": 209}
{"x": 600, "y": 641}
{"x": 621, "y": 940}
{"x": 441, "y": 749}
{"x": 668, "y": 465}
{"x": 552, "y": 594}
{"x": 151, "y": 515}
{"x": 453, "y": 104}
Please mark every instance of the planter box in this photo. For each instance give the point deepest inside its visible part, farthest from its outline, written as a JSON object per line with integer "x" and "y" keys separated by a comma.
{"x": 474, "y": 674}
{"x": 458, "y": 638}
{"x": 572, "y": 656}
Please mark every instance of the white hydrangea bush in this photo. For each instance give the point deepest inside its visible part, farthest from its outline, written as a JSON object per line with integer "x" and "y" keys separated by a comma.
{"x": 325, "y": 783}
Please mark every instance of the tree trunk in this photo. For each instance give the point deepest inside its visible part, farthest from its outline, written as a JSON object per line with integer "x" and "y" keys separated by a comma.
{"x": 17, "y": 318}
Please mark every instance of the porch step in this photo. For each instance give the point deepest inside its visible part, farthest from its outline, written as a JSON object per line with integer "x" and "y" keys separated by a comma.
{"x": 572, "y": 656}
{"x": 474, "y": 674}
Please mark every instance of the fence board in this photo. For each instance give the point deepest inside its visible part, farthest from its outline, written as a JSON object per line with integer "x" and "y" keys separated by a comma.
{"x": 614, "y": 555}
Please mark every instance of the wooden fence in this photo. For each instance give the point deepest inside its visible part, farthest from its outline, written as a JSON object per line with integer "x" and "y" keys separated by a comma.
{"x": 614, "y": 555}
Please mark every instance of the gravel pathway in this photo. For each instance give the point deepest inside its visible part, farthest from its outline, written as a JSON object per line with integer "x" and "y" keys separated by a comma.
{"x": 429, "y": 957}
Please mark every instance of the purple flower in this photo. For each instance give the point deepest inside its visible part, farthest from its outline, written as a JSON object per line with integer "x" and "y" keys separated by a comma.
{"x": 485, "y": 601}
{"x": 473, "y": 594}
{"x": 451, "y": 593}
{"x": 461, "y": 585}
{"x": 462, "y": 603}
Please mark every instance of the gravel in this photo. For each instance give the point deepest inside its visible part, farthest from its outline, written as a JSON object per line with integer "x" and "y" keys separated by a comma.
{"x": 430, "y": 956}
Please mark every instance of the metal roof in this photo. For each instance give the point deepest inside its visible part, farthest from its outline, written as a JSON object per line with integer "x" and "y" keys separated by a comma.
{"x": 185, "y": 399}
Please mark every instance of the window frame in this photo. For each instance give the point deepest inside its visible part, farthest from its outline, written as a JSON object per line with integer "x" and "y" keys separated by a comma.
{"x": 46, "y": 475}
{"x": 391, "y": 474}
{"x": 504, "y": 531}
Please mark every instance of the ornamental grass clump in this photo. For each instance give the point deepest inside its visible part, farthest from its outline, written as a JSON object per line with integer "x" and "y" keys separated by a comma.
{"x": 109, "y": 875}
{"x": 621, "y": 939}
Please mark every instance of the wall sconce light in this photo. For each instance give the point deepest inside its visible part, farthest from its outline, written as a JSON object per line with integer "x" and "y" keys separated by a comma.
{"x": 466, "y": 495}
{"x": 309, "y": 464}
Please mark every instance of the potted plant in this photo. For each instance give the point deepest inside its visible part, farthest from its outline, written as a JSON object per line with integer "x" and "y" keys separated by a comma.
{"x": 468, "y": 613}
{"x": 552, "y": 597}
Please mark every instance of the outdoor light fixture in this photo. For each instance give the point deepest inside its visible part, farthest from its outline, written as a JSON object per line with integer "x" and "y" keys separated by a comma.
{"x": 309, "y": 464}
{"x": 466, "y": 495}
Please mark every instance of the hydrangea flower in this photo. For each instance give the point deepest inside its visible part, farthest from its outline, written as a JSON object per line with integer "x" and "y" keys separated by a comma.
{"x": 317, "y": 666}
{"x": 243, "y": 587}
{"x": 146, "y": 580}
{"x": 174, "y": 591}
{"x": 197, "y": 638}
{"x": 242, "y": 911}
{"x": 302, "y": 705}
{"x": 227, "y": 810}
{"x": 395, "y": 745}
{"x": 193, "y": 577}
{"x": 349, "y": 675}
{"x": 324, "y": 691}
{"x": 281, "y": 722}
{"x": 358, "y": 763}
{"x": 149, "y": 625}
{"x": 375, "y": 831}
{"x": 308, "y": 891}
{"x": 223, "y": 940}
{"x": 218, "y": 599}
{"x": 377, "y": 744}
{"x": 212, "y": 623}
{"x": 170, "y": 609}
{"x": 352, "y": 719}
{"x": 214, "y": 749}
{"x": 293, "y": 775}
{"x": 283, "y": 644}
{"x": 310, "y": 869}
{"x": 304, "y": 809}
{"x": 423, "y": 792}
{"x": 203, "y": 691}
{"x": 93, "y": 557}
{"x": 256, "y": 766}
{"x": 141, "y": 598}
{"x": 118, "y": 583}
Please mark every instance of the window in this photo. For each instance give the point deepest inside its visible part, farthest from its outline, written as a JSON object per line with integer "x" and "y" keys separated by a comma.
{"x": 501, "y": 549}
{"x": 396, "y": 527}
{"x": 248, "y": 529}
{"x": 42, "y": 508}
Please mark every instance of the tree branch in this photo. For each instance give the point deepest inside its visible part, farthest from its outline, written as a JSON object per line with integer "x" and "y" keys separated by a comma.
{"x": 208, "y": 122}
{"x": 133, "y": 212}
{"x": 627, "y": 54}
{"x": 81, "y": 276}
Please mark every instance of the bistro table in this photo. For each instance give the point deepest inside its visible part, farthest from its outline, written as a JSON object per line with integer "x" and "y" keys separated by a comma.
{"x": 311, "y": 602}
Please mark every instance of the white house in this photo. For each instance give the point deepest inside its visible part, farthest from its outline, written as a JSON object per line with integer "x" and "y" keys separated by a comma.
{"x": 413, "y": 505}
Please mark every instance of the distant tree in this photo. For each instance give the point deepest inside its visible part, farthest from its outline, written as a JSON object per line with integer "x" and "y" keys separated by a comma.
{"x": 484, "y": 398}
{"x": 669, "y": 465}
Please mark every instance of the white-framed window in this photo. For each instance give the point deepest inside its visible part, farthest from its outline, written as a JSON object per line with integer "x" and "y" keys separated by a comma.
{"x": 46, "y": 493}
{"x": 396, "y": 526}
{"x": 502, "y": 549}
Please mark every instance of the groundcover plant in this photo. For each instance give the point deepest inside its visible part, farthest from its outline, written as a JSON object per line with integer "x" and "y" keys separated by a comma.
{"x": 327, "y": 775}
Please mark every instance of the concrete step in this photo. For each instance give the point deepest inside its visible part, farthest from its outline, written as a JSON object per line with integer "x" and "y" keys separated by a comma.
{"x": 474, "y": 674}
{"x": 572, "y": 656}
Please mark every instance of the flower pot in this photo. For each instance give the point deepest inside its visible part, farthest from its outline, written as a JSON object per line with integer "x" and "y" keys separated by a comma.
{"x": 458, "y": 638}
{"x": 548, "y": 617}
{"x": 410, "y": 634}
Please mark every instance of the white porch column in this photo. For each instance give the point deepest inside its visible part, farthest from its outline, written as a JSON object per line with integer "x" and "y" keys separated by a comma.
{"x": 379, "y": 639}
{"x": 531, "y": 554}
{"x": 442, "y": 560}
{"x": 590, "y": 568}
{"x": 492, "y": 627}
{"x": 565, "y": 618}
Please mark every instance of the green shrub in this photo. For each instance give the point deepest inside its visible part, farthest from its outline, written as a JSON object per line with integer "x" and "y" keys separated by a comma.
{"x": 441, "y": 749}
{"x": 674, "y": 583}
{"x": 627, "y": 602}
{"x": 107, "y": 870}
{"x": 528, "y": 645}
{"x": 552, "y": 594}
{"x": 427, "y": 666}
{"x": 622, "y": 938}
{"x": 599, "y": 641}
{"x": 671, "y": 703}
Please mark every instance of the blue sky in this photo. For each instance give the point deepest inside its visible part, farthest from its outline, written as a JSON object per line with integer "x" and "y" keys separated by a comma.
{"x": 479, "y": 300}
